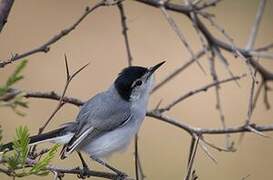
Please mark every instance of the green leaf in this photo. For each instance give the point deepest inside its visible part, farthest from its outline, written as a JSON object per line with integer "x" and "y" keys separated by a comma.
{"x": 3, "y": 90}
{"x": 21, "y": 142}
{"x": 15, "y": 76}
{"x": 20, "y": 145}
{"x": 39, "y": 167}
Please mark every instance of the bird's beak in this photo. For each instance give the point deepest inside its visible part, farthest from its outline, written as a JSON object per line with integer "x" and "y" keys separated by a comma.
{"x": 154, "y": 68}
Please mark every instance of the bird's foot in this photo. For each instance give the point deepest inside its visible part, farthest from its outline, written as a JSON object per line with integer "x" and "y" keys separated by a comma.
{"x": 121, "y": 176}
{"x": 83, "y": 172}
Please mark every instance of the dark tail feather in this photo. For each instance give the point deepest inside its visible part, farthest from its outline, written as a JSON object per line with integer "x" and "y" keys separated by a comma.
{"x": 37, "y": 138}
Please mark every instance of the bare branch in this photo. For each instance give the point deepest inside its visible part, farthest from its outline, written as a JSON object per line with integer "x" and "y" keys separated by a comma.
{"x": 12, "y": 93}
{"x": 265, "y": 48}
{"x": 69, "y": 78}
{"x": 186, "y": 10}
{"x": 255, "y": 27}
{"x": 138, "y": 168}
{"x": 220, "y": 149}
{"x": 46, "y": 46}
{"x": 179, "y": 33}
{"x": 250, "y": 102}
{"x": 124, "y": 32}
{"x": 191, "y": 130}
{"x": 193, "y": 149}
{"x": 266, "y": 101}
{"x": 196, "y": 91}
{"x": 224, "y": 61}
{"x": 85, "y": 172}
{"x": 205, "y": 149}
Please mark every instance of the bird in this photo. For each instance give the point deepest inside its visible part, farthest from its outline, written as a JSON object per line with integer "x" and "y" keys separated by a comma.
{"x": 108, "y": 121}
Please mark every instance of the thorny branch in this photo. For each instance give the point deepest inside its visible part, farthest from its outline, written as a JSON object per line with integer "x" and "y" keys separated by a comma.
{"x": 212, "y": 46}
{"x": 46, "y": 46}
{"x": 124, "y": 32}
{"x": 69, "y": 78}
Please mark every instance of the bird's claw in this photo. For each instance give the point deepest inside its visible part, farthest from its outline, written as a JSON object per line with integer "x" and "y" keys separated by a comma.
{"x": 121, "y": 175}
{"x": 83, "y": 173}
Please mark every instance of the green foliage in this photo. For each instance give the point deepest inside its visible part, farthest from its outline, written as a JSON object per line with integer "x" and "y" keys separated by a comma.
{"x": 20, "y": 145}
{"x": 17, "y": 161}
{"x": 39, "y": 167}
{"x": 18, "y": 100}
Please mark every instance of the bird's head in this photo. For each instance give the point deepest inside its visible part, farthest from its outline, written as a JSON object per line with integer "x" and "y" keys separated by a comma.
{"x": 135, "y": 82}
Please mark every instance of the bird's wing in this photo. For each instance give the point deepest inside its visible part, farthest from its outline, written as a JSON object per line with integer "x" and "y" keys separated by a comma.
{"x": 97, "y": 116}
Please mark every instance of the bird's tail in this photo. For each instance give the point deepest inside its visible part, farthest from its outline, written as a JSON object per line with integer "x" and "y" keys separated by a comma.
{"x": 58, "y": 136}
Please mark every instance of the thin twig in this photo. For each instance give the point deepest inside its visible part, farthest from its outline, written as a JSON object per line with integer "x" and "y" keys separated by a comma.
{"x": 256, "y": 25}
{"x": 52, "y": 95}
{"x": 124, "y": 32}
{"x": 250, "y": 102}
{"x": 220, "y": 149}
{"x": 186, "y": 10}
{"x": 190, "y": 129}
{"x": 179, "y": 33}
{"x": 217, "y": 93}
{"x": 266, "y": 101}
{"x": 138, "y": 168}
{"x": 258, "y": 92}
{"x": 193, "y": 150}
{"x": 69, "y": 78}
{"x": 46, "y": 46}
{"x": 205, "y": 149}
{"x": 196, "y": 91}
{"x": 85, "y": 172}
{"x": 224, "y": 61}
{"x": 265, "y": 48}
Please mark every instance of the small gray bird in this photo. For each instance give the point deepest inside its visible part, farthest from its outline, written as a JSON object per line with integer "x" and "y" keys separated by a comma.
{"x": 108, "y": 121}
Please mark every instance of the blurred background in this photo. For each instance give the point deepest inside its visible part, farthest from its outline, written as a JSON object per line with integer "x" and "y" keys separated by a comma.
{"x": 98, "y": 40}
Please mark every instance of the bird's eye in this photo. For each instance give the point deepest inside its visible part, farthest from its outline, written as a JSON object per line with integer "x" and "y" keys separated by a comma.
{"x": 138, "y": 83}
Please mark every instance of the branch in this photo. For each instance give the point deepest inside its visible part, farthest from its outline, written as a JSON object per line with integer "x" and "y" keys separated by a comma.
{"x": 5, "y": 7}
{"x": 179, "y": 33}
{"x": 159, "y": 116}
{"x": 84, "y": 172}
{"x": 186, "y": 10}
{"x": 196, "y": 130}
{"x": 46, "y": 46}
{"x": 193, "y": 149}
{"x": 124, "y": 32}
{"x": 52, "y": 95}
{"x": 69, "y": 78}
{"x": 80, "y": 172}
{"x": 256, "y": 25}
{"x": 196, "y": 91}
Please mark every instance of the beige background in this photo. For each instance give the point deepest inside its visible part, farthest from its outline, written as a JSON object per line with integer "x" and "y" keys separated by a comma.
{"x": 163, "y": 148}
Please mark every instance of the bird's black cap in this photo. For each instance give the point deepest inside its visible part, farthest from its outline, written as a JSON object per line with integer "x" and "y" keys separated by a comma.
{"x": 129, "y": 75}
{"x": 126, "y": 78}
